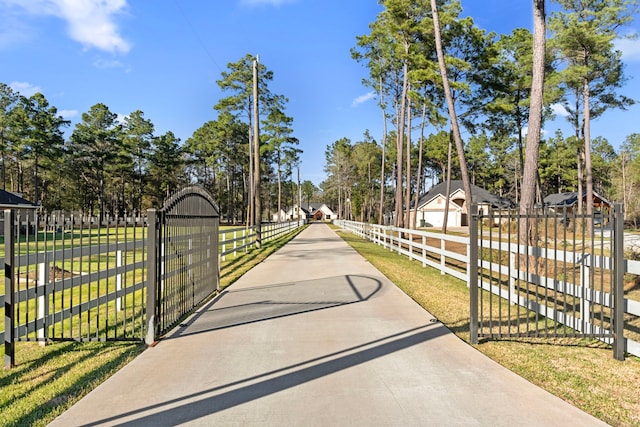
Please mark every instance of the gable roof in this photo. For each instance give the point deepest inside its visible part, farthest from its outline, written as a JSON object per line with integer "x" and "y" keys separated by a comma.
{"x": 289, "y": 209}
{"x": 561, "y": 199}
{"x": 568, "y": 199}
{"x": 318, "y": 206}
{"x": 478, "y": 194}
{"x": 8, "y": 199}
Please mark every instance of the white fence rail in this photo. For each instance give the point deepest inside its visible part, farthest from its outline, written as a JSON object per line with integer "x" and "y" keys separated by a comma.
{"x": 114, "y": 287}
{"x": 241, "y": 239}
{"x": 413, "y": 244}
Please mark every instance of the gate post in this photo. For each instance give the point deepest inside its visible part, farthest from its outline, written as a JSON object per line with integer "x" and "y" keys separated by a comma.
{"x": 473, "y": 275}
{"x": 9, "y": 291}
{"x": 152, "y": 274}
{"x": 618, "y": 285}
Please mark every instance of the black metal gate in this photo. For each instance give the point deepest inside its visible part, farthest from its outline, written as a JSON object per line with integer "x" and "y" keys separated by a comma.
{"x": 184, "y": 269}
{"x": 550, "y": 273}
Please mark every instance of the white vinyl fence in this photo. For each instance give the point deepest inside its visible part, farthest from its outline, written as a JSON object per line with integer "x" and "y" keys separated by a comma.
{"x": 419, "y": 245}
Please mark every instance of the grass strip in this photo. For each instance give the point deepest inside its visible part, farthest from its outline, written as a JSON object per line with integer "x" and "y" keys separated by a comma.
{"x": 581, "y": 372}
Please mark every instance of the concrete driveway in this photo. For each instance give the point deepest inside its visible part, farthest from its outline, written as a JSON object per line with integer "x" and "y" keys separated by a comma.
{"x": 316, "y": 336}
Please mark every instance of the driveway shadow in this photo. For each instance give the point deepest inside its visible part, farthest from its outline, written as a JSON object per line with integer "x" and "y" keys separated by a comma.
{"x": 215, "y": 399}
{"x": 257, "y": 304}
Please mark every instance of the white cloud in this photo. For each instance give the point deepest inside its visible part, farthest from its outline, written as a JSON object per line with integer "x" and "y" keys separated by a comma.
{"x": 90, "y": 22}
{"x": 24, "y": 88}
{"x": 630, "y": 48}
{"x": 363, "y": 98}
{"x": 559, "y": 110}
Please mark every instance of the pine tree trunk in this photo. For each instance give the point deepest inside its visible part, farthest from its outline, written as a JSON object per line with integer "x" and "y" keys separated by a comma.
{"x": 407, "y": 196}
{"x": 529, "y": 178}
{"x": 399, "y": 220}
{"x": 447, "y": 191}
{"x": 452, "y": 111}
{"x": 384, "y": 147}
{"x": 587, "y": 155}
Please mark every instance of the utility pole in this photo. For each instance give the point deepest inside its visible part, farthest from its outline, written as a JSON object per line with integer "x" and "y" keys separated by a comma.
{"x": 256, "y": 156}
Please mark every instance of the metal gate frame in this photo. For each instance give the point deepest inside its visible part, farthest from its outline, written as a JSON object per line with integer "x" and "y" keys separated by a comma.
{"x": 183, "y": 263}
{"x": 546, "y": 303}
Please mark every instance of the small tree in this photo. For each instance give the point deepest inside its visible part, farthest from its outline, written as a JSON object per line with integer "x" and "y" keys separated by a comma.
{"x": 584, "y": 33}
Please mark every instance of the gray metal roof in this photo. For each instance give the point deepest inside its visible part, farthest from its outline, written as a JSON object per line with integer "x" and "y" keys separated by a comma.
{"x": 568, "y": 199}
{"x": 8, "y": 199}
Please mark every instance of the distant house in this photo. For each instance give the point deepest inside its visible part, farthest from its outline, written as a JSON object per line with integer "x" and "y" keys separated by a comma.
{"x": 291, "y": 214}
{"x": 311, "y": 212}
{"x": 21, "y": 206}
{"x": 431, "y": 205}
{"x": 320, "y": 212}
{"x": 566, "y": 204}
{"x": 569, "y": 201}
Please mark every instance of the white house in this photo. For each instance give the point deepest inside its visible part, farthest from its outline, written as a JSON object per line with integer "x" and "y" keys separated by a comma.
{"x": 321, "y": 212}
{"x": 431, "y": 205}
{"x": 311, "y": 212}
{"x": 290, "y": 214}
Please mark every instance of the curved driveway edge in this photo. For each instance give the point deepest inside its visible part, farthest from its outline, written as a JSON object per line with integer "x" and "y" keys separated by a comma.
{"x": 317, "y": 336}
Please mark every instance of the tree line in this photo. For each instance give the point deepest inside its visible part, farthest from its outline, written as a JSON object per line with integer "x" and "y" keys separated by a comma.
{"x": 117, "y": 166}
{"x": 437, "y": 76}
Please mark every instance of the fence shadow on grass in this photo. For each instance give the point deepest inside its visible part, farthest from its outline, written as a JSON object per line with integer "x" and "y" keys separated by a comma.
{"x": 60, "y": 361}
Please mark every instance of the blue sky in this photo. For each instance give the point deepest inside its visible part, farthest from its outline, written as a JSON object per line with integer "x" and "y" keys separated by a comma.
{"x": 164, "y": 56}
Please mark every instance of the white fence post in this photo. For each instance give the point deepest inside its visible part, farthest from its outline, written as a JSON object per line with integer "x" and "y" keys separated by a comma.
{"x": 513, "y": 277}
{"x": 43, "y": 301}
{"x": 384, "y": 236}
{"x": 224, "y": 246}
{"x": 585, "y": 304}
{"x": 235, "y": 243}
{"x": 443, "y": 258}
{"x": 244, "y": 239}
{"x": 410, "y": 244}
{"x": 119, "y": 280}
